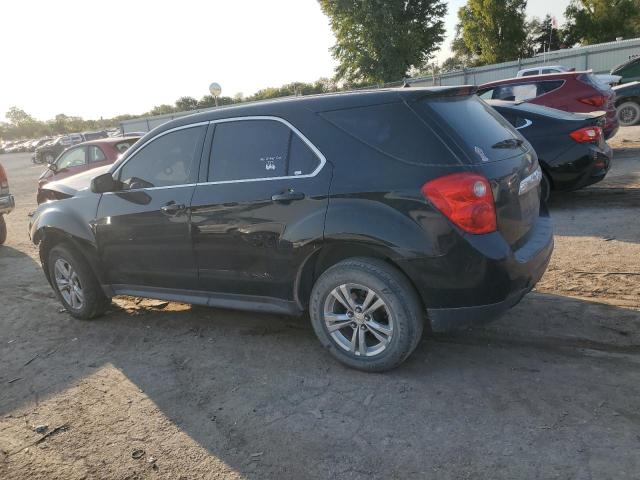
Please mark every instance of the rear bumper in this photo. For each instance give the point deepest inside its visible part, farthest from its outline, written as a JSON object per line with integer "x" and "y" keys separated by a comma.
{"x": 445, "y": 319}
{"x": 7, "y": 204}
{"x": 580, "y": 167}
{"x": 489, "y": 280}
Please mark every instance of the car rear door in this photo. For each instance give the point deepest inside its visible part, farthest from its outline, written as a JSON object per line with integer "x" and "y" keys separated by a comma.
{"x": 143, "y": 229}
{"x": 259, "y": 212}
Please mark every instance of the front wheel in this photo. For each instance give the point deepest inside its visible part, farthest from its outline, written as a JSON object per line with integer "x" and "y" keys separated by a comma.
{"x": 48, "y": 158}
{"x": 367, "y": 314}
{"x": 75, "y": 284}
{"x": 628, "y": 113}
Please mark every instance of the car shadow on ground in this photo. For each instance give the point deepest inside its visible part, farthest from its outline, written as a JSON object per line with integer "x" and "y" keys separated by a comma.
{"x": 256, "y": 395}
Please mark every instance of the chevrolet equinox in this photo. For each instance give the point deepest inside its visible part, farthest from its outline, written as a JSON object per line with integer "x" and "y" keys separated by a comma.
{"x": 378, "y": 212}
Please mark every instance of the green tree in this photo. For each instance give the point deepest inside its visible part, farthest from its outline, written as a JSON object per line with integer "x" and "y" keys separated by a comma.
{"x": 184, "y": 104}
{"x": 543, "y": 36}
{"x": 597, "y": 21}
{"x": 380, "y": 40}
{"x": 493, "y": 31}
{"x": 18, "y": 117}
{"x": 162, "y": 109}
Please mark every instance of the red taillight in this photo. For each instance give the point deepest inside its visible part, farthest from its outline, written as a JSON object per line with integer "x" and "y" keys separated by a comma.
{"x": 465, "y": 199}
{"x": 587, "y": 134}
{"x": 594, "y": 100}
{"x": 3, "y": 178}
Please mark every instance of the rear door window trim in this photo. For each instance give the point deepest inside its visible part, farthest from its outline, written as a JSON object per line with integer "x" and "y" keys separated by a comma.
{"x": 293, "y": 129}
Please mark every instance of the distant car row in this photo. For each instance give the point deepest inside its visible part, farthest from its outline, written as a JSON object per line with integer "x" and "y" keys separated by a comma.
{"x": 32, "y": 145}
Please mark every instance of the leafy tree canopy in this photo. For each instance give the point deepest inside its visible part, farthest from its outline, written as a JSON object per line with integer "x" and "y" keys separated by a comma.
{"x": 380, "y": 40}
{"x": 491, "y": 31}
{"x": 597, "y": 21}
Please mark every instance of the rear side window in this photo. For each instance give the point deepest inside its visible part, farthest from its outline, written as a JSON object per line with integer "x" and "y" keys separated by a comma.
{"x": 96, "y": 154}
{"x": 393, "y": 129}
{"x": 258, "y": 149}
{"x": 521, "y": 92}
{"x": 530, "y": 73}
{"x": 171, "y": 159}
{"x": 123, "y": 146}
{"x": 477, "y": 125}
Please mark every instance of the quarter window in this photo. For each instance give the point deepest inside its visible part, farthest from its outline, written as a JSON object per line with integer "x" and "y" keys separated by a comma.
{"x": 96, "y": 154}
{"x": 256, "y": 149}
{"x": 171, "y": 159}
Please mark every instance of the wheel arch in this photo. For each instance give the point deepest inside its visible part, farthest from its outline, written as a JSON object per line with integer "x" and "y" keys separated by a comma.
{"x": 331, "y": 254}
{"x": 634, "y": 98}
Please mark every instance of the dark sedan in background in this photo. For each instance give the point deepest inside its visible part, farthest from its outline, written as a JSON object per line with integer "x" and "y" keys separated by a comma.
{"x": 569, "y": 91}
{"x": 571, "y": 147}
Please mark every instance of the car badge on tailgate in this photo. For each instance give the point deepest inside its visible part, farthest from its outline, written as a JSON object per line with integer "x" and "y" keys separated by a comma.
{"x": 531, "y": 181}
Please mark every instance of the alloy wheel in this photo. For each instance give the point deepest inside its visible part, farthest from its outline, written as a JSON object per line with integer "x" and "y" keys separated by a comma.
{"x": 358, "y": 320}
{"x": 68, "y": 284}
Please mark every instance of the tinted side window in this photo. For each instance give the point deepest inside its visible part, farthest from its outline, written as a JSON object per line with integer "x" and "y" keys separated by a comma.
{"x": 171, "y": 159}
{"x": 253, "y": 149}
{"x": 394, "y": 130}
{"x": 549, "y": 86}
{"x": 516, "y": 93}
{"x": 530, "y": 73}
{"x": 248, "y": 149}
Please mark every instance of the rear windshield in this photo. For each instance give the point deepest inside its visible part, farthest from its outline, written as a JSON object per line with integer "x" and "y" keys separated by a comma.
{"x": 477, "y": 126}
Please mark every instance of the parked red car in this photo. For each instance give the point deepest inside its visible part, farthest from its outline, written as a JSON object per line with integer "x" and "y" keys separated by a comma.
{"x": 569, "y": 91}
{"x": 81, "y": 157}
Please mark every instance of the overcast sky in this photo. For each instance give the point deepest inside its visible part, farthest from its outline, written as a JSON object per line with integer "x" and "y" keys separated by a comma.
{"x": 96, "y": 59}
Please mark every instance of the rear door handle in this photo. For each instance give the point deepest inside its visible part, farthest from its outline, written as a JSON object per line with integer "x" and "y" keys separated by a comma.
{"x": 287, "y": 196}
{"x": 173, "y": 208}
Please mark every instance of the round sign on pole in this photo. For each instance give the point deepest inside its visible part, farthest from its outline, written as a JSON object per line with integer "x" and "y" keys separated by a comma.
{"x": 215, "y": 89}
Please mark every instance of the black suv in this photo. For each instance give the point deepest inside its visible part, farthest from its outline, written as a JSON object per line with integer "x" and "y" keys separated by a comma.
{"x": 372, "y": 210}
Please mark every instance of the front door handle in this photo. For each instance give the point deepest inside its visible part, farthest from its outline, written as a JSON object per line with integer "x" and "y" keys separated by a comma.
{"x": 173, "y": 208}
{"x": 287, "y": 196}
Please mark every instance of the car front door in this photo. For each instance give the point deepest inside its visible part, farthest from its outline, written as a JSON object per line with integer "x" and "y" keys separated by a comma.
{"x": 260, "y": 213}
{"x": 143, "y": 229}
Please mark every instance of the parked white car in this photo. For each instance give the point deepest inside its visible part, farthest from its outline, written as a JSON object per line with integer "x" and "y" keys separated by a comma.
{"x": 604, "y": 78}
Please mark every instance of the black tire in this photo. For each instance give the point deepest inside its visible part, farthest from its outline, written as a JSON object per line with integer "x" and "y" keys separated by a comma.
{"x": 3, "y": 230}
{"x": 628, "y": 113}
{"x": 401, "y": 302}
{"x": 94, "y": 302}
{"x": 47, "y": 158}
{"x": 545, "y": 188}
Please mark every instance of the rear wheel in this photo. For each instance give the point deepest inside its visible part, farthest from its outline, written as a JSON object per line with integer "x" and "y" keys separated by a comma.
{"x": 367, "y": 314}
{"x": 628, "y": 113}
{"x": 75, "y": 284}
{"x": 3, "y": 230}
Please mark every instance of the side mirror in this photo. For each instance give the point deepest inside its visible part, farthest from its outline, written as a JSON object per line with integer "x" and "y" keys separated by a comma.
{"x": 104, "y": 183}
{"x": 53, "y": 167}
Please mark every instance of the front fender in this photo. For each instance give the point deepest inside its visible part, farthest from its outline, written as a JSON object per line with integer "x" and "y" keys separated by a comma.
{"x": 52, "y": 216}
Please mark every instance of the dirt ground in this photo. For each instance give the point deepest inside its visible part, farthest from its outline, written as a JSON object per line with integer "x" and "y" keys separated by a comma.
{"x": 156, "y": 390}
